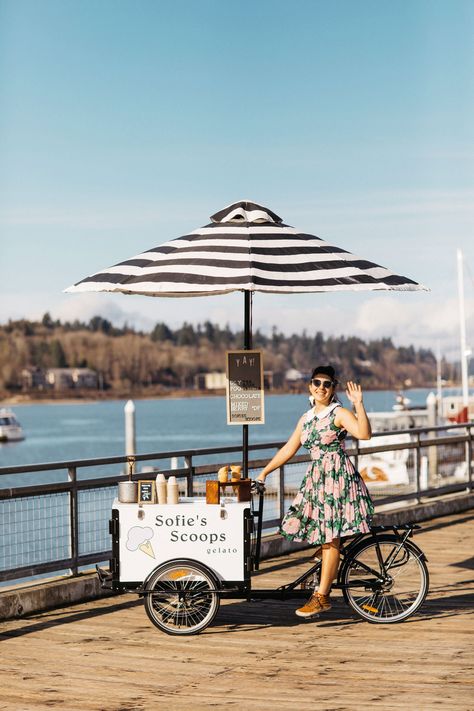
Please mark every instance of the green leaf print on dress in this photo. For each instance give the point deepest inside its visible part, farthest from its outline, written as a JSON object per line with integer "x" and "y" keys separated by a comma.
{"x": 333, "y": 500}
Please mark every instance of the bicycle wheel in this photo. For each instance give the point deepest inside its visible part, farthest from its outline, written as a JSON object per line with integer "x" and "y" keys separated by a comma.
{"x": 384, "y": 583}
{"x": 180, "y": 598}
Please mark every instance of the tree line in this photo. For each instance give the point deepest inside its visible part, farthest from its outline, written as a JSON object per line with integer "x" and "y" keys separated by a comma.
{"x": 130, "y": 359}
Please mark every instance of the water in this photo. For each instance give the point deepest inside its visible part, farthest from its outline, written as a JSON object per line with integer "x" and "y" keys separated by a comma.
{"x": 58, "y": 432}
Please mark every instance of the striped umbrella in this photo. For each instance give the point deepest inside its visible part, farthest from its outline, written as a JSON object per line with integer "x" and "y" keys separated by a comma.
{"x": 246, "y": 247}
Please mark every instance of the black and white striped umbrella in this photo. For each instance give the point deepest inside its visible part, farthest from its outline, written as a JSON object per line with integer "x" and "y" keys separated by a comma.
{"x": 246, "y": 247}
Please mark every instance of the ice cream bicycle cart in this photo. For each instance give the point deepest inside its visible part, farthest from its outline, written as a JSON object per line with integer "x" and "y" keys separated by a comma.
{"x": 184, "y": 558}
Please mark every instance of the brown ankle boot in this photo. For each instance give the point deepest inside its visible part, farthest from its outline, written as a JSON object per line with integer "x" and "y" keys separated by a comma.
{"x": 317, "y": 603}
{"x": 325, "y": 601}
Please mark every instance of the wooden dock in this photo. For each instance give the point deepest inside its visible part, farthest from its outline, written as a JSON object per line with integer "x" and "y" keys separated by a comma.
{"x": 106, "y": 656}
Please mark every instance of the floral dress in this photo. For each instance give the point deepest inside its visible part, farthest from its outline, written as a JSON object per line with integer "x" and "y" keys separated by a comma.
{"x": 333, "y": 500}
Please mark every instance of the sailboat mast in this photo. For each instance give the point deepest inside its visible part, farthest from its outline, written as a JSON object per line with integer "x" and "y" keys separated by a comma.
{"x": 462, "y": 331}
{"x": 439, "y": 383}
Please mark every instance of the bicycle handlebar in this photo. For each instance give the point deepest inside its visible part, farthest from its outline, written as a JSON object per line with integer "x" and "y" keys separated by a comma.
{"x": 258, "y": 486}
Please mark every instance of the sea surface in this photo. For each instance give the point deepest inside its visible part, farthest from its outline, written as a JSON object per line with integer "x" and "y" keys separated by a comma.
{"x": 73, "y": 431}
{"x": 59, "y": 432}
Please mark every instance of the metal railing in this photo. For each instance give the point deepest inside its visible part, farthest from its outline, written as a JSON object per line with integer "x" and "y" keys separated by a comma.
{"x": 63, "y": 526}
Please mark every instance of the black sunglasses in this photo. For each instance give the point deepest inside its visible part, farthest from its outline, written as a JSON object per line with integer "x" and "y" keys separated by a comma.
{"x": 324, "y": 383}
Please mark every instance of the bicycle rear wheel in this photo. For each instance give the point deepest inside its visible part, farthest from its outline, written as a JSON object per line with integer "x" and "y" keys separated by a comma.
{"x": 382, "y": 583}
{"x": 180, "y": 598}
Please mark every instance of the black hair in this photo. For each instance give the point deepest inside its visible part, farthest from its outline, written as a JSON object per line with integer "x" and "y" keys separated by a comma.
{"x": 325, "y": 370}
{"x": 331, "y": 373}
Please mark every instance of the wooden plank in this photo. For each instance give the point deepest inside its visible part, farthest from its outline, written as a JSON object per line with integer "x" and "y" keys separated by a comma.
{"x": 106, "y": 656}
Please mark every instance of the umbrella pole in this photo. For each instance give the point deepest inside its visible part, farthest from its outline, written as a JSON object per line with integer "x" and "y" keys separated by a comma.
{"x": 247, "y": 347}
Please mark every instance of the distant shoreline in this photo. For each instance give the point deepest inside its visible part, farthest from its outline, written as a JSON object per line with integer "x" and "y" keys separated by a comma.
{"x": 87, "y": 398}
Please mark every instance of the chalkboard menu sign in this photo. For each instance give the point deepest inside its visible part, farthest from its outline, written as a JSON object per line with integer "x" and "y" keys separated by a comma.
{"x": 245, "y": 403}
{"x": 146, "y": 492}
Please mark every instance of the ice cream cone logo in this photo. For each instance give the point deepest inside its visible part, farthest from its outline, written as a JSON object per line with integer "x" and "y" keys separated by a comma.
{"x": 147, "y": 548}
{"x": 139, "y": 539}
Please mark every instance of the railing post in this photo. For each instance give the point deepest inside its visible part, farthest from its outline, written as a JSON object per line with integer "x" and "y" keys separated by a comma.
{"x": 281, "y": 491}
{"x": 188, "y": 462}
{"x": 469, "y": 456}
{"x": 418, "y": 468}
{"x": 73, "y": 519}
{"x": 357, "y": 452}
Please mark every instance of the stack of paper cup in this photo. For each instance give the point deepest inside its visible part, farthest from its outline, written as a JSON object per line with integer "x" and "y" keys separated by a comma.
{"x": 161, "y": 488}
{"x": 172, "y": 490}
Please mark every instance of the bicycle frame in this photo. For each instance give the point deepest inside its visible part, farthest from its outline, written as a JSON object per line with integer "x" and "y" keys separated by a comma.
{"x": 347, "y": 549}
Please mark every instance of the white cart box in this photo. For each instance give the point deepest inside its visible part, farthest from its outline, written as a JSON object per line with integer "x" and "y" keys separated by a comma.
{"x": 151, "y": 534}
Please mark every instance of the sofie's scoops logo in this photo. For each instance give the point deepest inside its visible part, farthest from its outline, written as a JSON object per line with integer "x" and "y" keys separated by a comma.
{"x": 180, "y": 521}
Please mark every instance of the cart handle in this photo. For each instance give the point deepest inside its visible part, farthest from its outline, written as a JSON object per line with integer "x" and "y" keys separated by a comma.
{"x": 259, "y": 488}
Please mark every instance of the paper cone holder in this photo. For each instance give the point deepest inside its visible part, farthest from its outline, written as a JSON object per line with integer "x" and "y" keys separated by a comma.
{"x": 215, "y": 487}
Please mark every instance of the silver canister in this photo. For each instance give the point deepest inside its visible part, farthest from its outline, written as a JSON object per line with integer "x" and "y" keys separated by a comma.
{"x": 128, "y": 492}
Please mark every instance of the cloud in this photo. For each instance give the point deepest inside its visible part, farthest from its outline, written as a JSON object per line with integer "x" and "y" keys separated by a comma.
{"x": 421, "y": 324}
{"x": 84, "y": 306}
{"x": 420, "y": 319}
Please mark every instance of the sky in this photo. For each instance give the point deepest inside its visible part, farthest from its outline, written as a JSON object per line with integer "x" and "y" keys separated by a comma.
{"x": 126, "y": 124}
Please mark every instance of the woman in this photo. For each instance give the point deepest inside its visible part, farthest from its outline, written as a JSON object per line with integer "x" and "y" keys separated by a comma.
{"x": 333, "y": 500}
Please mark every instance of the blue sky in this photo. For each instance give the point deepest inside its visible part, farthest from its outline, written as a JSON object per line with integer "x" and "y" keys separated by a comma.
{"x": 125, "y": 124}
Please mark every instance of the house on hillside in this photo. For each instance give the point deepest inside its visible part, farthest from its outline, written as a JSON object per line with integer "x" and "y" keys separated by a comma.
{"x": 210, "y": 381}
{"x": 296, "y": 380}
{"x": 33, "y": 379}
{"x": 71, "y": 378}
{"x": 217, "y": 380}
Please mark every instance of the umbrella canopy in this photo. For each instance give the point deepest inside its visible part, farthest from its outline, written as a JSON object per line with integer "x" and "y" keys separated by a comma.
{"x": 246, "y": 247}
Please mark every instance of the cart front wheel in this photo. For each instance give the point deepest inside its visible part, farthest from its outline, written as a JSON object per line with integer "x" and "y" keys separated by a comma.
{"x": 181, "y": 597}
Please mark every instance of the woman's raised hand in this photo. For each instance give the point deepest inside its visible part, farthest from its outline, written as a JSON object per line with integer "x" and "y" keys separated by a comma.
{"x": 354, "y": 392}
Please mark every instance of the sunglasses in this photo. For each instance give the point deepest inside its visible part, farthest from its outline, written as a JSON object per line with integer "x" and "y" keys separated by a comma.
{"x": 324, "y": 383}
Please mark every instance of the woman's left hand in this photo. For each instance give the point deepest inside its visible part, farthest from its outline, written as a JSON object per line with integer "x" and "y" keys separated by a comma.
{"x": 354, "y": 393}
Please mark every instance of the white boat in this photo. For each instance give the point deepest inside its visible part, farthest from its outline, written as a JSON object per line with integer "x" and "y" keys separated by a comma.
{"x": 10, "y": 428}
{"x": 398, "y": 419}
{"x": 396, "y": 467}
{"x": 390, "y": 468}
{"x": 401, "y": 402}
{"x": 453, "y": 409}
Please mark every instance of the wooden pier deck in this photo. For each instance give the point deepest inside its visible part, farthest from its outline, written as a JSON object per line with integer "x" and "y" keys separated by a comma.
{"x": 106, "y": 656}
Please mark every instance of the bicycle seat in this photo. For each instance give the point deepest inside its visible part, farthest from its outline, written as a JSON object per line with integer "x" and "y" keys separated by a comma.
{"x": 394, "y": 527}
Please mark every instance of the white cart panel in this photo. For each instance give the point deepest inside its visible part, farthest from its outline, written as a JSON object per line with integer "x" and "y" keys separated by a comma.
{"x": 153, "y": 533}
